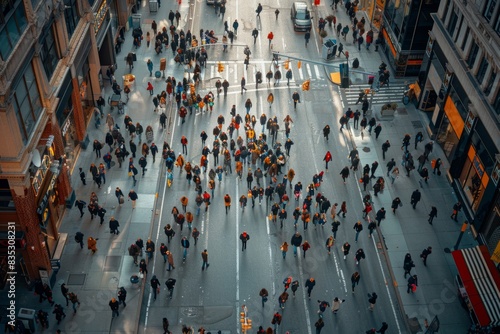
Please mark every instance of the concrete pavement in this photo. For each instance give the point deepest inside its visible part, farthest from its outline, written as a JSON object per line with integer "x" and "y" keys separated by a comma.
{"x": 408, "y": 231}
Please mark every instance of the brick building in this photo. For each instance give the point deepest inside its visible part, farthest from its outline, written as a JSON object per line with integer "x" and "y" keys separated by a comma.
{"x": 51, "y": 56}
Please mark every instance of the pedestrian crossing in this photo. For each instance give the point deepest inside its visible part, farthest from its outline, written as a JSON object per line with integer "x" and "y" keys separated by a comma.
{"x": 235, "y": 70}
{"x": 391, "y": 94}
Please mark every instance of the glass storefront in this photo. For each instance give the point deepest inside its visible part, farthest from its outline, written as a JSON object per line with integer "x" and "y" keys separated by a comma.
{"x": 64, "y": 115}
{"x": 472, "y": 178}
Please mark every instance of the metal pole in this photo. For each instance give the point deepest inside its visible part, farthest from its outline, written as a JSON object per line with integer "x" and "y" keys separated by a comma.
{"x": 462, "y": 230}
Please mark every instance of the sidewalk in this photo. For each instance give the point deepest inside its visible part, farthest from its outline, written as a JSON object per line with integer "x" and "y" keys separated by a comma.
{"x": 96, "y": 278}
{"x": 408, "y": 231}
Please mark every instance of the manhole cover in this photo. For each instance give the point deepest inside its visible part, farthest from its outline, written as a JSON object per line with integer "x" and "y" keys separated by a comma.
{"x": 417, "y": 124}
{"x": 366, "y": 149}
{"x": 112, "y": 263}
{"x": 190, "y": 311}
{"x": 76, "y": 279}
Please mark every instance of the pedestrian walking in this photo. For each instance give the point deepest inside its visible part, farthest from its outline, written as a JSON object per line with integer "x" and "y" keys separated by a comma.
{"x": 264, "y": 296}
{"x": 204, "y": 257}
{"x": 344, "y": 173}
{"x": 310, "y": 283}
{"x": 307, "y": 36}
{"x": 284, "y": 249}
{"x": 355, "y": 280}
{"x": 360, "y": 254}
{"x": 396, "y": 203}
{"x": 132, "y": 196}
{"x": 319, "y": 324}
{"x": 372, "y": 300}
{"x": 243, "y": 83}
{"x": 82, "y": 176}
{"x": 412, "y": 284}
{"x": 92, "y": 244}
{"x": 114, "y": 306}
{"x": 155, "y": 286}
{"x": 258, "y": 10}
{"x": 327, "y": 159}
{"x": 276, "y": 321}
{"x": 346, "y": 247}
{"x": 170, "y": 260}
{"x": 276, "y": 13}
{"x": 59, "y": 312}
{"x": 323, "y": 304}
{"x": 305, "y": 248}
{"x": 433, "y": 214}
{"x": 282, "y": 299}
{"x": 408, "y": 264}
{"x": 65, "y": 291}
{"x": 436, "y": 164}
{"x": 385, "y": 147}
{"x": 456, "y": 209}
{"x": 150, "y": 248}
{"x": 415, "y": 198}
{"x": 244, "y": 237}
{"x": 270, "y": 37}
{"x": 80, "y": 205}
{"x": 294, "y": 286}
{"x": 122, "y": 296}
{"x": 296, "y": 241}
{"x": 113, "y": 226}
{"x": 74, "y": 301}
{"x": 330, "y": 242}
{"x": 185, "y": 246}
{"x": 170, "y": 283}
{"x": 336, "y": 304}
{"x": 358, "y": 227}
{"x": 425, "y": 253}
{"x": 383, "y": 328}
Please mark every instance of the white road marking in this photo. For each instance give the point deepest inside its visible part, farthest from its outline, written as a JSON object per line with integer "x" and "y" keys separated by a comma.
{"x": 237, "y": 261}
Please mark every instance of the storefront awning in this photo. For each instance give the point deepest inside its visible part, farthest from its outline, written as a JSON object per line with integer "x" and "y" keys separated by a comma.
{"x": 481, "y": 281}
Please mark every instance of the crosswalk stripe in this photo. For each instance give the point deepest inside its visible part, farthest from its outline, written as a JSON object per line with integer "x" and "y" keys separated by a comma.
{"x": 301, "y": 75}
{"x": 308, "y": 68}
{"x": 316, "y": 69}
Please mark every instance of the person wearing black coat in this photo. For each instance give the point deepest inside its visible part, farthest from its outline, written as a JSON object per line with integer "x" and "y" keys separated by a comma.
{"x": 101, "y": 212}
{"x": 380, "y": 215}
{"x": 296, "y": 241}
{"x": 415, "y": 198}
{"x": 133, "y": 148}
{"x": 113, "y": 226}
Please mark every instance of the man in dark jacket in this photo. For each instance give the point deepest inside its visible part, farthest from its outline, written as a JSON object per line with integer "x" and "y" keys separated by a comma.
{"x": 101, "y": 212}
{"x": 170, "y": 283}
{"x": 415, "y": 198}
{"x": 244, "y": 237}
{"x": 114, "y": 306}
{"x": 113, "y": 226}
{"x": 380, "y": 215}
{"x": 296, "y": 241}
{"x": 143, "y": 163}
{"x": 80, "y": 205}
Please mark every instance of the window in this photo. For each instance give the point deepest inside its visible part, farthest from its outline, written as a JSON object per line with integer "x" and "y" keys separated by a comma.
{"x": 26, "y": 103}
{"x": 48, "y": 53}
{"x": 496, "y": 104}
{"x": 489, "y": 9}
{"x": 472, "y": 55}
{"x": 71, "y": 16}
{"x": 14, "y": 23}
{"x": 6, "y": 200}
{"x": 466, "y": 37}
{"x": 453, "y": 23}
{"x": 482, "y": 70}
{"x": 491, "y": 81}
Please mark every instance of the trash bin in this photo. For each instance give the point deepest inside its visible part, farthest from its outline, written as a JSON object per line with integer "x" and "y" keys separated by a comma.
{"x": 329, "y": 49}
{"x": 153, "y": 6}
{"x": 136, "y": 20}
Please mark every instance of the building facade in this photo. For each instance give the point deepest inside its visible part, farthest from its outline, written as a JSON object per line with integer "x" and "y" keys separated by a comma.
{"x": 458, "y": 86}
{"x": 403, "y": 26}
{"x": 51, "y": 59}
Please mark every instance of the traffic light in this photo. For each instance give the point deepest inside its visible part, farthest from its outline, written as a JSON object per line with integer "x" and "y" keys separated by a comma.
{"x": 306, "y": 85}
{"x": 287, "y": 64}
{"x": 299, "y": 63}
{"x": 220, "y": 67}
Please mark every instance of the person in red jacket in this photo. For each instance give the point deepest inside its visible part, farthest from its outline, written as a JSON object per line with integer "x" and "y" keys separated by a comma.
{"x": 327, "y": 159}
